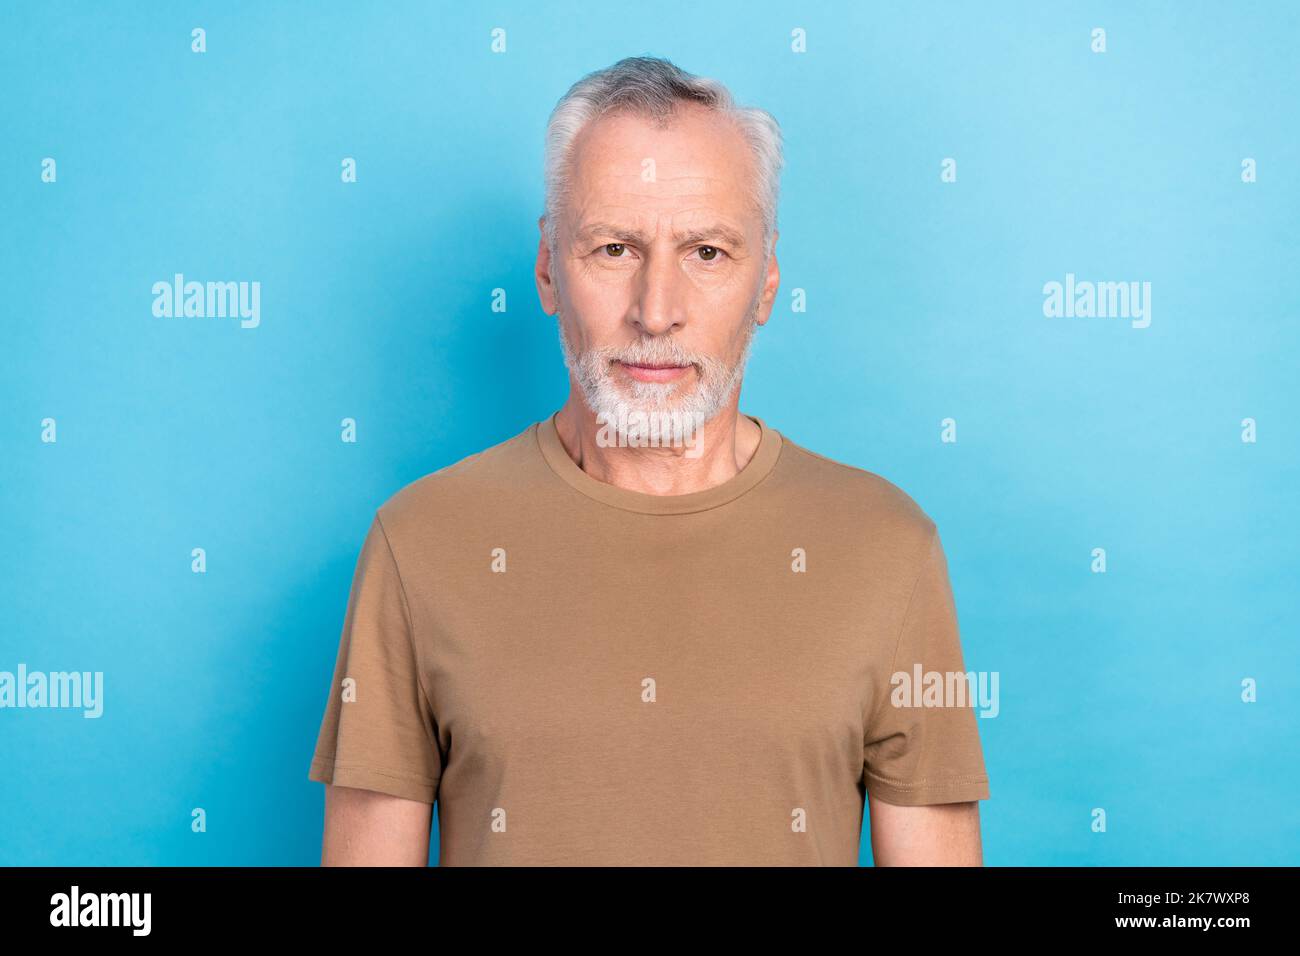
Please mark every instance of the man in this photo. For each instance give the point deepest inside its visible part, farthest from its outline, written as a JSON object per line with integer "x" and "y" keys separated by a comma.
{"x": 650, "y": 630}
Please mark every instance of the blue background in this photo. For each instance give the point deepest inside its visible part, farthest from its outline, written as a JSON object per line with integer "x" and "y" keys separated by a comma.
{"x": 1118, "y": 690}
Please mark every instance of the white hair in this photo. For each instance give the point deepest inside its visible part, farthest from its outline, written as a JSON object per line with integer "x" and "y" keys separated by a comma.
{"x": 652, "y": 87}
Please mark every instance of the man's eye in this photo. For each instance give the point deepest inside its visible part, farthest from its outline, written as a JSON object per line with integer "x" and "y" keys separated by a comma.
{"x": 615, "y": 249}
{"x": 710, "y": 253}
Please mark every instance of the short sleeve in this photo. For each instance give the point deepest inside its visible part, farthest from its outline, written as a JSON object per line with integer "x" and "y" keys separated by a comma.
{"x": 922, "y": 742}
{"x": 378, "y": 732}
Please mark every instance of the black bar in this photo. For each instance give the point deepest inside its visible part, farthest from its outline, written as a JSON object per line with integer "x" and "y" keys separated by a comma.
{"x": 241, "y": 904}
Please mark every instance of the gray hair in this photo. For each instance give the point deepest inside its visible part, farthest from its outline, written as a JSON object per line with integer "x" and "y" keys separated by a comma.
{"x": 651, "y": 87}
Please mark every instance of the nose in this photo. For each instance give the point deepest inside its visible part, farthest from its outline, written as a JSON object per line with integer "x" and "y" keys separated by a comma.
{"x": 659, "y": 306}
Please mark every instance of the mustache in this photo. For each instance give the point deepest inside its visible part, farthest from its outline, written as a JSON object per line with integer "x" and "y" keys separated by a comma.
{"x": 651, "y": 352}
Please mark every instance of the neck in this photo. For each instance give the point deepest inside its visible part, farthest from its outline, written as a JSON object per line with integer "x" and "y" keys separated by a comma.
{"x": 719, "y": 450}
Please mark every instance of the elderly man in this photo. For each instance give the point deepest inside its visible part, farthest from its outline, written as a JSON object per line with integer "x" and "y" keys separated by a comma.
{"x": 649, "y": 629}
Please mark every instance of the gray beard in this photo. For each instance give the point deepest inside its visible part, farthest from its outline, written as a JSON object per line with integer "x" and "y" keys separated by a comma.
{"x": 632, "y": 409}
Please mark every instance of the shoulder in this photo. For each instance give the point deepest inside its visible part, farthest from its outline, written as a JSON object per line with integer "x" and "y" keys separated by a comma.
{"x": 864, "y": 500}
{"x": 469, "y": 486}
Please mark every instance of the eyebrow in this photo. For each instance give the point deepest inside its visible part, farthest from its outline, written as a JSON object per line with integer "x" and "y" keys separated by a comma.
{"x": 722, "y": 233}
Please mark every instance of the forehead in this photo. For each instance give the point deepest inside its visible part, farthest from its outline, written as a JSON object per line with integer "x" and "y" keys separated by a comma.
{"x": 701, "y": 166}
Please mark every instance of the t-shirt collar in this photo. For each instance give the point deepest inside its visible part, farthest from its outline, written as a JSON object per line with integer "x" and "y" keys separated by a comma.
{"x": 759, "y": 466}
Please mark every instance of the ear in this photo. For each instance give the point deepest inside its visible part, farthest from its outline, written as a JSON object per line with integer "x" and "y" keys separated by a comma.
{"x": 546, "y": 291}
{"x": 771, "y": 283}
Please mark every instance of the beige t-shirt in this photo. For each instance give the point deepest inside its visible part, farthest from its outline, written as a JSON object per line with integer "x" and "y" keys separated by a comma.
{"x": 583, "y": 674}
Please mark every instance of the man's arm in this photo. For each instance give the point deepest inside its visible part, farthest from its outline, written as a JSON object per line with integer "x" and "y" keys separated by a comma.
{"x": 368, "y": 828}
{"x": 942, "y": 834}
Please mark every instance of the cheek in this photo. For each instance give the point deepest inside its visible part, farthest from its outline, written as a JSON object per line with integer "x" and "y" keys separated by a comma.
{"x": 590, "y": 322}
{"x": 597, "y": 307}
